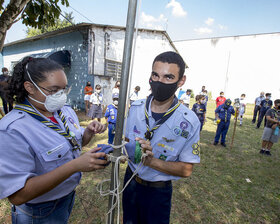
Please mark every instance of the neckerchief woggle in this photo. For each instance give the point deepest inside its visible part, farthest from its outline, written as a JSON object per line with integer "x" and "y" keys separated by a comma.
{"x": 149, "y": 133}
{"x": 70, "y": 136}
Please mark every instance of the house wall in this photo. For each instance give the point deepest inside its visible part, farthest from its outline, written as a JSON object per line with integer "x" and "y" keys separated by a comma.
{"x": 235, "y": 65}
{"x": 148, "y": 46}
{"x": 108, "y": 43}
{"x": 76, "y": 43}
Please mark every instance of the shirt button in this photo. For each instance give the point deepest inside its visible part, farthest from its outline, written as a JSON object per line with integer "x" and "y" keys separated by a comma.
{"x": 59, "y": 156}
{"x": 185, "y": 113}
{"x": 164, "y": 151}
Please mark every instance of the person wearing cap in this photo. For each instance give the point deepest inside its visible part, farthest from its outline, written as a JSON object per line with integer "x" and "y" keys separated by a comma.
{"x": 168, "y": 133}
{"x": 223, "y": 114}
{"x": 257, "y": 107}
{"x": 185, "y": 98}
{"x": 266, "y": 104}
{"x": 111, "y": 117}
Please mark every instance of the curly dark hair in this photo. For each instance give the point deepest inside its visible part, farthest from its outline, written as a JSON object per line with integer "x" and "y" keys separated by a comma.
{"x": 37, "y": 68}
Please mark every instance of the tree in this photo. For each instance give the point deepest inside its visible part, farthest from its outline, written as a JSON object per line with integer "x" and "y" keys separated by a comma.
{"x": 67, "y": 21}
{"x": 34, "y": 13}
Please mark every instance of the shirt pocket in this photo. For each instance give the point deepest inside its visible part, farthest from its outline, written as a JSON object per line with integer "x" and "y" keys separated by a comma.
{"x": 166, "y": 152}
{"x": 56, "y": 156}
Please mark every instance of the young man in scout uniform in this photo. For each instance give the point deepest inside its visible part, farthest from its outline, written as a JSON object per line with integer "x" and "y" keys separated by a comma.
{"x": 168, "y": 133}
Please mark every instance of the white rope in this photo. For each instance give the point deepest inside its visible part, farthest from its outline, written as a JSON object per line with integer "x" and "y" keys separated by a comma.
{"x": 116, "y": 192}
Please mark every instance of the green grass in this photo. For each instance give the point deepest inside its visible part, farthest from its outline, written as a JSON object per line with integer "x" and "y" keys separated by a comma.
{"x": 217, "y": 191}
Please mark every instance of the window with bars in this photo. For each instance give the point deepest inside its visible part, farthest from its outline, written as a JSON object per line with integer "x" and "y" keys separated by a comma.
{"x": 113, "y": 69}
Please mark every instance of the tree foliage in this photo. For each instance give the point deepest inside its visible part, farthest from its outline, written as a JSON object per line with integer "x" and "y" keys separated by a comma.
{"x": 33, "y": 13}
{"x": 67, "y": 21}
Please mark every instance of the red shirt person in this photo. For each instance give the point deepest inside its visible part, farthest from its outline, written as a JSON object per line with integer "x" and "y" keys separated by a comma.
{"x": 220, "y": 100}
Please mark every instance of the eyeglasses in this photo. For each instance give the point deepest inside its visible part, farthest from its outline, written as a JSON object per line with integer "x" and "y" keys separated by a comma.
{"x": 58, "y": 92}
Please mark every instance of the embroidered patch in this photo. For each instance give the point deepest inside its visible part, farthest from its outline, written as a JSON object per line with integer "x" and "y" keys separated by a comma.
{"x": 184, "y": 125}
{"x": 196, "y": 149}
{"x": 168, "y": 140}
{"x": 177, "y": 131}
{"x": 135, "y": 130}
{"x": 72, "y": 134}
{"x": 162, "y": 157}
{"x": 185, "y": 134}
{"x": 166, "y": 147}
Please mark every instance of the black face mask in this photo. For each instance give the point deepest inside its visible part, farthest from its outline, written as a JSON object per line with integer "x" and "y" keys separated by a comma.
{"x": 162, "y": 91}
{"x": 88, "y": 84}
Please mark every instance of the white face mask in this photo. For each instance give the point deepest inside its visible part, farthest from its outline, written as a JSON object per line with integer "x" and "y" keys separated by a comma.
{"x": 98, "y": 90}
{"x": 53, "y": 102}
{"x": 6, "y": 73}
{"x": 116, "y": 102}
{"x": 203, "y": 101}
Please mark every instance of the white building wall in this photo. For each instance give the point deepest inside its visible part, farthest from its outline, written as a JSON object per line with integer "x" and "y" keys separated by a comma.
{"x": 235, "y": 65}
{"x": 148, "y": 46}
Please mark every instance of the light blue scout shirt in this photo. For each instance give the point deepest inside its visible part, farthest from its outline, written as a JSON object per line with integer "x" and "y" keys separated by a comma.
{"x": 177, "y": 139}
{"x": 258, "y": 100}
{"x": 29, "y": 148}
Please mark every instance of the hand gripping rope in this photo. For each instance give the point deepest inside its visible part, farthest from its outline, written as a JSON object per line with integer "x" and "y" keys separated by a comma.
{"x": 116, "y": 192}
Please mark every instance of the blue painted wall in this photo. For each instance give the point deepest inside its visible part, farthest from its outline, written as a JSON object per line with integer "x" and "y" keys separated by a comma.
{"x": 77, "y": 75}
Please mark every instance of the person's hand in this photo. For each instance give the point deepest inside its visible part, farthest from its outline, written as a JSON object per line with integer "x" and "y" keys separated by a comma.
{"x": 147, "y": 148}
{"x": 90, "y": 161}
{"x": 95, "y": 127}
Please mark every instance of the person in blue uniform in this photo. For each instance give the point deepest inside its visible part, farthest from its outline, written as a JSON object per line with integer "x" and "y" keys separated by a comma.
{"x": 257, "y": 107}
{"x": 168, "y": 132}
{"x": 111, "y": 117}
{"x": 266, "y": 104}
{"x": 223, "y": 114}
{"x": 200, "y": 109}
{"x": 40, "y": 145}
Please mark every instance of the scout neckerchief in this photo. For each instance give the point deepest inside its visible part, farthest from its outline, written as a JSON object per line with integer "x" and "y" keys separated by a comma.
{"x": 149, "y": 133}
{"x": 226, "y": 111}
{"x": 70, "y": 136}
